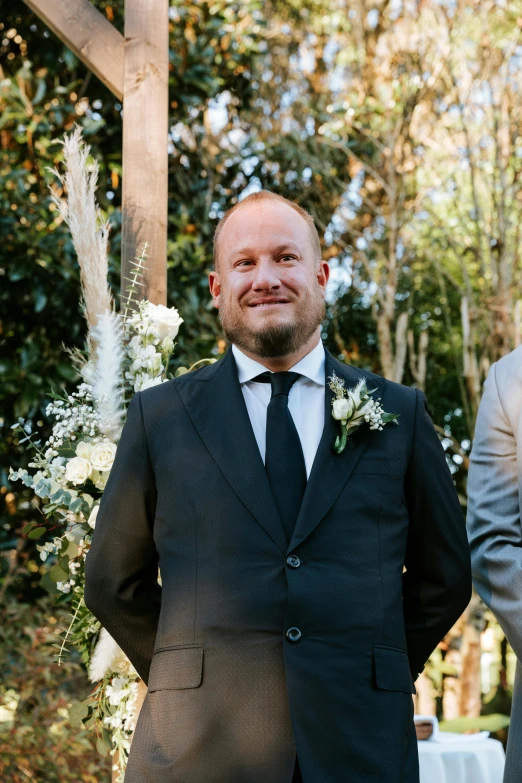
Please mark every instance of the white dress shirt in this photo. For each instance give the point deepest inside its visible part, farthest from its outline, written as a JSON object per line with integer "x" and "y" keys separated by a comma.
{"x": 305, "y": 401}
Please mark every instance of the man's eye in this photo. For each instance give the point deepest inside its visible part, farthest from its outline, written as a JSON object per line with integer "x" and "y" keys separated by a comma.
{"x": 287, "y": 257}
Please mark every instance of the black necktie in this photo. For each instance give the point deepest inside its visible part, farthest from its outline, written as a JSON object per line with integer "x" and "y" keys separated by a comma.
{"x": 284, "y": 460}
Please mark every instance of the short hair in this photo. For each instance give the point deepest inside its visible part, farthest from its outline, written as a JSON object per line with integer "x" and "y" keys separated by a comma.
{"x": 268, "y": 195}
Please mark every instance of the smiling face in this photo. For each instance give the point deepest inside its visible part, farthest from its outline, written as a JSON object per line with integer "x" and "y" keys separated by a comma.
{"x": 269, "y": 287}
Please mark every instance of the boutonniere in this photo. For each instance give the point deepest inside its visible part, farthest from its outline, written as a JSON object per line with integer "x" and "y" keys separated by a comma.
{"x": 352, "y": 407}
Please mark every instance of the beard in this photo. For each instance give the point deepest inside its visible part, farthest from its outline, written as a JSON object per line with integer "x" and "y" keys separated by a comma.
{"x": 272, "y": 342}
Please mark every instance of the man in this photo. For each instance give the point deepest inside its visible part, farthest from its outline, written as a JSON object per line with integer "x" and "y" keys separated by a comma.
{"x": 493, "y": 520}
{"x": 284, "y": 640}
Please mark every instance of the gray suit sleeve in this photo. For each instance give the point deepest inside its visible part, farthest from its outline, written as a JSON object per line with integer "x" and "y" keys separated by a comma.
{"x": 493, "y": 517}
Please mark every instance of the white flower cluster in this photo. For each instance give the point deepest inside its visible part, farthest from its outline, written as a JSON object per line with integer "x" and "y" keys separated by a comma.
{"x": 49, "y": 548}
{"x": 123, "y": 694}
{"x": 76, "y": 570}
{"x": 71, "y": 419}
{"x": 65, "y": 587}
{"x": 374, "y": 416}
{"x": 93, "y": 460}
{"x": 149, "y": 349}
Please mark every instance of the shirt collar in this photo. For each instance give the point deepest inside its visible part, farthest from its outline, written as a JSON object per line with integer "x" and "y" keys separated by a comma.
{"x": 312, "y": 366}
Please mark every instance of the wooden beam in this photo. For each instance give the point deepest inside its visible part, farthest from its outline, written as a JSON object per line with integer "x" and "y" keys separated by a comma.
{"x": 88, "y": 34}
{"x": 145, "y": 138}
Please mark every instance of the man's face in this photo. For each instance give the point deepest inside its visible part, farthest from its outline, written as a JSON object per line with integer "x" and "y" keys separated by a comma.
{"x": 269, "y": 288}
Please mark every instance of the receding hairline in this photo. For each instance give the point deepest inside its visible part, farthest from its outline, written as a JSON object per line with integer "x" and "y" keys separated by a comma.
{"x": 268, "y": 195}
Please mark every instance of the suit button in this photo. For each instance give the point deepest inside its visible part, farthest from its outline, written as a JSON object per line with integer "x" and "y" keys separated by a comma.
{"x": 293, "y": 561}
{"x": 293, "y": 634}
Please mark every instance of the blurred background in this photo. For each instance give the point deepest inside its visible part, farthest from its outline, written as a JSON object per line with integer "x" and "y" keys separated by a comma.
{"x": 399, "y": 127}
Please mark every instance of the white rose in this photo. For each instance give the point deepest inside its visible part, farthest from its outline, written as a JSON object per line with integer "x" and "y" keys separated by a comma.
{"x": 84, "y": 449}
{"x": 102, "y": 455}
{"x": 92, "y": 516}
{"x": 165, "y": 319}
{"x": 78, "y": 470}
{"x": 342, "y": 409}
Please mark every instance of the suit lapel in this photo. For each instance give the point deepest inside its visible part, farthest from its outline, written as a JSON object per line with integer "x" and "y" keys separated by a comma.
{"x": 330, "y": 471}
{"x": 216, "y": 405}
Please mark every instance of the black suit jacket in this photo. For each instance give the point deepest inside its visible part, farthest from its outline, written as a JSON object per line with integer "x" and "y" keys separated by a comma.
{"x": 231, "y": 698}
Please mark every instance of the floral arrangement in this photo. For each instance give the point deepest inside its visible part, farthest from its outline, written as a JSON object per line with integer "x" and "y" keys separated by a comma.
{"x": 353, "y": 407}
{"x": 125, "y": 352}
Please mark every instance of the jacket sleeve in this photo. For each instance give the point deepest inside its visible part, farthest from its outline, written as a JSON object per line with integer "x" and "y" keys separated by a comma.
{"x": 121, "y": 566}
{"x": 493, "y": 518}
{"x": 437, "y": 582}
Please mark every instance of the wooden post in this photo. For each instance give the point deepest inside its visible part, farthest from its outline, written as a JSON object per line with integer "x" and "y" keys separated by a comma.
{"x": 145, "y": 136}
{"x": 134, "y": 67}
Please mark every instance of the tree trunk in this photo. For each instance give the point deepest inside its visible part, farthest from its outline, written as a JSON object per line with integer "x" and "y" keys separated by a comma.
{"x": 471, "y": 686}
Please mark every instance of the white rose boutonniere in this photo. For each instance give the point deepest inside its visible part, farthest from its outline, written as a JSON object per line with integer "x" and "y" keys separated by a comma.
{"x": 353, "y": 407}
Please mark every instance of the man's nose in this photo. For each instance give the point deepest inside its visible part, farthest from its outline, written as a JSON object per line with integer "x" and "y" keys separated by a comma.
{"x": 265, "y": 277}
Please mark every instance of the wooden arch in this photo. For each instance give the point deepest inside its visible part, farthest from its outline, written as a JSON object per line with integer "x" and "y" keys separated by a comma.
{"x": 134, "y": 66}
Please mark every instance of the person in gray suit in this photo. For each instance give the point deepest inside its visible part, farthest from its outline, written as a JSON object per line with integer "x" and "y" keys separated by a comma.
{"x": 493, "y": 520}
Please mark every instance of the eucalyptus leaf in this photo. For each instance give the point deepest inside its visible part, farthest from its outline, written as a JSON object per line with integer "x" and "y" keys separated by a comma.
{"x": 37, "y": 532}
{"x": 57, "y": 574}
{"x": 43, "y": 488}
{"x": 76, "y": 505}
{"x": 89, "y": 500}
{"x": 103, "y": 747}
{"x": 77, "y": 712}
{"x": 72, "y": 550}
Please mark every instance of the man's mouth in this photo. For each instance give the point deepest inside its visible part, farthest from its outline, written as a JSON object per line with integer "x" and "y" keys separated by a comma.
{"x": 268, "y": 303}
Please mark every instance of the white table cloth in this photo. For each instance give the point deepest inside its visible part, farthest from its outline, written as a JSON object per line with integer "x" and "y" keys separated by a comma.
{"x": 457, "y": 759}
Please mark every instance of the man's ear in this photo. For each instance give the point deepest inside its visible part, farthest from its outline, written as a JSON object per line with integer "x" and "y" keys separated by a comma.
{"x": 323, "y": 273}
{"x": 215, "y": 286}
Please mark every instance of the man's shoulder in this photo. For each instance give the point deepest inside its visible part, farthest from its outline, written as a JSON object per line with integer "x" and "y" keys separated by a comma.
{"x": 509, "y": 367}
{"x": 165, "y": 389}
{"x": 395, "y": 397}
{"x": 506, "y": 374}
{"x": 396, "y": 393}
{"x": 391, "y": 388}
